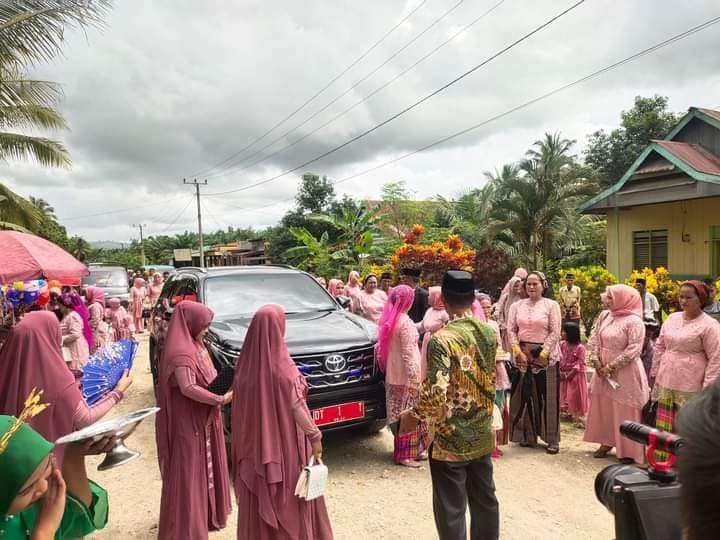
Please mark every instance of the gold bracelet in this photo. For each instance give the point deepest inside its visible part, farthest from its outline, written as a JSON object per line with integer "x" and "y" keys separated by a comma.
{"x": 544, "y": 355}
{"x": 516, "y": 350}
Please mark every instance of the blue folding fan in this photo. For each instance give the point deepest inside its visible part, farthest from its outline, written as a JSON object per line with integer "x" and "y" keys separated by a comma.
{"x": 105, "y": 368}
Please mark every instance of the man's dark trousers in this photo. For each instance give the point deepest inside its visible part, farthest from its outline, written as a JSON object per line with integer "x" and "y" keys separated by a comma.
{"x": 457, "y": 484}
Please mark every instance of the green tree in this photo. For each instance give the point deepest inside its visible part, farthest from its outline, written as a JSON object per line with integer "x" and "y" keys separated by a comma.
{"x": 80, "y": 248}
{"x": 311, "y": 253}
{"x": 315, "y": 194}
{"x": 402, "y": 211}
{"x": 611, "y": 154}
{"x": 16, "y": 213}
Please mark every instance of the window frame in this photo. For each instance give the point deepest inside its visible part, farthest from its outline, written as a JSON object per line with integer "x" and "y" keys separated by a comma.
{"x": 652, "y": 237}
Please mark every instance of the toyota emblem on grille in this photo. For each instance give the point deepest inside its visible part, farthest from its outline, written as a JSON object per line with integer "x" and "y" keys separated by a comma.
{"x": 335, "y": 363}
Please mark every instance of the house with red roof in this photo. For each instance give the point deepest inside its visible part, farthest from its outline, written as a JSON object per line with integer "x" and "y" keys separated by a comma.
{"x": 665, "y": 210}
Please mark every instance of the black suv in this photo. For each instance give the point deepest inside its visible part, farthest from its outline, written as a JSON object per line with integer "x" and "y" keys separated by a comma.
{"x": 332, "y": 348}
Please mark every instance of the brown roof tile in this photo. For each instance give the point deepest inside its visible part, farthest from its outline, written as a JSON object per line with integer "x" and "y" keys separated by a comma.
{"x": 694, "y": 155}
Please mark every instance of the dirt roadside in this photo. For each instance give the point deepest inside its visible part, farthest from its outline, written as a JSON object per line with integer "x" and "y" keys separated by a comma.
{"x": 541, "y": 496}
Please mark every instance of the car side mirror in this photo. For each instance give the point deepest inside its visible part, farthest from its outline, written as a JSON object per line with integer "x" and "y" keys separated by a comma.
{"x": 344, "y": 301}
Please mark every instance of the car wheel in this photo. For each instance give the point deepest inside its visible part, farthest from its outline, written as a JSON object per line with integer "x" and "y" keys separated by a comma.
{"x": 375, "y": 427}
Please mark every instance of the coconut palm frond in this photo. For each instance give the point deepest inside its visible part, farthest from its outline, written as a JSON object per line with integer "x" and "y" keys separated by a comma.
{"x": 31, "y": 116}
{"x": 45, "y": 151}
{"x": 34, "y": 30}
{"x": 17, "y": 211}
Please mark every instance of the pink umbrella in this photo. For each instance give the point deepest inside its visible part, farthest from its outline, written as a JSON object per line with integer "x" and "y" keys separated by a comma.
{"x": 26, "y": 257}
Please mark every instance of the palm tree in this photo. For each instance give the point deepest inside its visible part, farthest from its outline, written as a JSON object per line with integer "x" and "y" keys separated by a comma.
{"x": 311, "y": 251}
{"x": 43, "y": 207}
{"x": 16, "y": 213}
{"x": 32, "y": 31}
{"x": 358, "y": 228}
{"x": 80, "y": 248}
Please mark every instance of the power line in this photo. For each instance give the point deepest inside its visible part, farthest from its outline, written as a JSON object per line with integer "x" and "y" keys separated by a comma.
{"x": 347, "y": 91}
{"x": 121, "y": 210}
{"x": 315, "y": 95}
{"x": 177, "y": 217}
{"x": 359, "y": 102}
{"x": 593, "y": 75}
{"x": 408, "y": 108}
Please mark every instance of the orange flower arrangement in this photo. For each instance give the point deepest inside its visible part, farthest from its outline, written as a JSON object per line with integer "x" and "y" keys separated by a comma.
{"x": 433, "y": 259}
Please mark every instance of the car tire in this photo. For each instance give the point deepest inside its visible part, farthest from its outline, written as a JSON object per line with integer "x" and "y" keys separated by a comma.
{"x": 375, "y": 427}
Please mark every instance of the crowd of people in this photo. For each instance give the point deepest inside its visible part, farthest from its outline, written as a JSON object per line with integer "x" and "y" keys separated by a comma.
{"x": 464, "y": 375}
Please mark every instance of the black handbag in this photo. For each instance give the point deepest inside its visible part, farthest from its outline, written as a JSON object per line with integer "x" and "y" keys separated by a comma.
{"x": 649, "y": 413}
{"x": 223, "y": 382}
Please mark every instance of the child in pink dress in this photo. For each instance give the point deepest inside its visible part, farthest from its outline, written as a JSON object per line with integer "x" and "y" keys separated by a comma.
{"x": 573, "y": 382}
{"x": 119, "y": 319}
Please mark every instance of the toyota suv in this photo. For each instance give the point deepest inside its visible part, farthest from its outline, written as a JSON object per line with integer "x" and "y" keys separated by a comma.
{"x": 332, "y": 348}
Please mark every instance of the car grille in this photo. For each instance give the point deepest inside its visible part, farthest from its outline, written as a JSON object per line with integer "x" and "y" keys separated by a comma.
{"x": 359, "y": 367}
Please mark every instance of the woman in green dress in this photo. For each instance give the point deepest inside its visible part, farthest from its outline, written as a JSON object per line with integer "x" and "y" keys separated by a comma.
{"x": 39, "y": 501}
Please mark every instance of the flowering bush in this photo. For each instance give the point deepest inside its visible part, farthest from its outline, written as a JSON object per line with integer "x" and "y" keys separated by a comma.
{"x": 493, "y": 268}
{"x": 592, "y": 280}
{"x": 433, "y": 259}
{"x": 660, "y": 284}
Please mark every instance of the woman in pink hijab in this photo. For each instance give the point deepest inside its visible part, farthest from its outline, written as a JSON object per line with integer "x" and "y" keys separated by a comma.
{"x": 31, "y": 358}
{"x": 619, "y": 388}
{"x": 77, "y": 337}
{"x": 273, "y": 438}
{"x": 370, "y": 302}
{"x": 435, "y": 318}
{"x": 336, "y": 287}
{"x": 120, "y": 321}
{"x": 96, "y": 317}
{"x": 138, "y": 292}
{"x": 399, "y": 358}
{"x": 153, "y": 291}
{"x": 189, "y": 431}
{"x": 353, "y": 287}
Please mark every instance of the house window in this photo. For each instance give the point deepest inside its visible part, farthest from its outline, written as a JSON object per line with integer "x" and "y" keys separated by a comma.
{"x": 650, "y": 249}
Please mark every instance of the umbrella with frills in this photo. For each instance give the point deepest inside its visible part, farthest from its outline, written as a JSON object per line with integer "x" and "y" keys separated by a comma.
{"x": 26, "y": 256}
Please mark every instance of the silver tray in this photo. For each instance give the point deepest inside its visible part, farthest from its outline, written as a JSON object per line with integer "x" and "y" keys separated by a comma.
{"x": 120, "y": 427}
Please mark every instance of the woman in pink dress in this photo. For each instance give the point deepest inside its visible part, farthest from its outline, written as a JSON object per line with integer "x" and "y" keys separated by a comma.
{"x": 619, "y": 388}
{"x": 502, "y": 379}
{"x": 138, "y": 292}
{"x": 96, "y": 317}
{"x": 435, "y": 318}
{"x": 353, "y": 287}
{"x": 573, "y": 381}
{"x": 153, "y": 292}
{"x": 370, "y": 301}
{"x": 118, "y": 319}
{"x": 336, "y": 287}
{"x": 512, "y": 293}
{"x": 687, "y": 355}
{"x": 31, "y": 358}
{"x": 189, "y": 431}
{"x": 534, "y": 333}
{"x": 273, "y": 438}
{"x": 77, "y": 338}
{"x": 399, "y": 357}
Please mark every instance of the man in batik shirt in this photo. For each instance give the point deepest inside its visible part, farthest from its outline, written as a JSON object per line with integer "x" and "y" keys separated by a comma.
{"x": 456, "y": 401}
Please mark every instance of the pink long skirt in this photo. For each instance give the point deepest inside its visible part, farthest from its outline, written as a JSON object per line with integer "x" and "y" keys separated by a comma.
{"x": 603, "y": 427}
{"x": 574, "y": 395}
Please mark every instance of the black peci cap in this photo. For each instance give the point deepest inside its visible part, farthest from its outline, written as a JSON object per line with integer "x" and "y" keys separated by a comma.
{"x": 642, "y": 281}
{"x": 458, "y": 282}
{"x": 386, "y": 275}
{"x": 412, "y": 272}
{"x": 569, "y": 276}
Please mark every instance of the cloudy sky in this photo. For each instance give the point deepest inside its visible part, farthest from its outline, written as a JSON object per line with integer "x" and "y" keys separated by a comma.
{"x": 173, "y": 88}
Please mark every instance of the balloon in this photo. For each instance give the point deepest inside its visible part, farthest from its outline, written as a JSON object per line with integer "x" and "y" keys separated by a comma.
{"x": 30, "y": 297}
{"x": 13, "y": 296}
{"x": 43, "y": 297}
{"x": 18, "y": 286}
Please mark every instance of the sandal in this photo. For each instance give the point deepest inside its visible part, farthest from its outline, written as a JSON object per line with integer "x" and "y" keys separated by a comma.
{"x": 411, "y": 463}
{"x": 602, "y": 452}
{"x": 553, "y": 449}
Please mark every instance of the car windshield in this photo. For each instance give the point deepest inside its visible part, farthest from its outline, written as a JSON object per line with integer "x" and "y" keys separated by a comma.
{"x": 106, "y": 277}
{"x": 242, "y": 295}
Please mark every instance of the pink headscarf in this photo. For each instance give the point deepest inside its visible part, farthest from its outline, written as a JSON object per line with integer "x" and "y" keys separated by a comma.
{"x": 477, "y": 311}
{"x": 625, "y": 301}
{"x": 353, "y": 280}
{"x": 31, "y": 358}
{"x": 139, "y": 282}
{"x": 264, "y": 437}
{"x": 335, "y": 287}
{"x": 74, "y": 302}
{"x": 95, "y": 294}
{"x": 400, "y": 301}
{"x": 435, "y": 298}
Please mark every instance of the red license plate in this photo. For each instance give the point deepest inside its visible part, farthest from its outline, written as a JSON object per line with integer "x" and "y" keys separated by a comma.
{"x": 339, "y": 413}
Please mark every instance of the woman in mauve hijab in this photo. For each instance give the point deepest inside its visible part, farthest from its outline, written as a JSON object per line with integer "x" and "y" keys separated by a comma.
{"x": 31, "y": 358}
{"x": 273, "y": 437}
{"x": 188, "y": 428}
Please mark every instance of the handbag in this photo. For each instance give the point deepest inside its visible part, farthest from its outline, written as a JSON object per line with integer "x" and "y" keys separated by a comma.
{"x": 497, "y": 419}
{"x": 312, "y": 481}
{"x": 223, "y": 382}
{"x": 649, "y": 413}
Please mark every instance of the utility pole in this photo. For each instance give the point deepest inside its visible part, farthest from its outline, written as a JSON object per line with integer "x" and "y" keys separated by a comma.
{"x": 200, "y": 233}
{"x": 142, "y": 244}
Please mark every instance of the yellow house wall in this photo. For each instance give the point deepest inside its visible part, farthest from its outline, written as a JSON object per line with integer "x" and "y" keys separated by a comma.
{"x": 694, "y": 217}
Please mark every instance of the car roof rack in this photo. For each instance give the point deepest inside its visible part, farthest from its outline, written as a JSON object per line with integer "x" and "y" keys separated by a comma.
{"x": 197, "y": 268}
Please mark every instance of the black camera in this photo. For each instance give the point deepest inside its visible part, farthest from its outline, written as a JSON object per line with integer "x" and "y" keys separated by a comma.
{"x": 646, "y": 503}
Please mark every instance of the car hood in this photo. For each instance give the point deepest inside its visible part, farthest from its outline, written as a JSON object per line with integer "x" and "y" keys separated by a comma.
{"x": 306, "y": 333}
